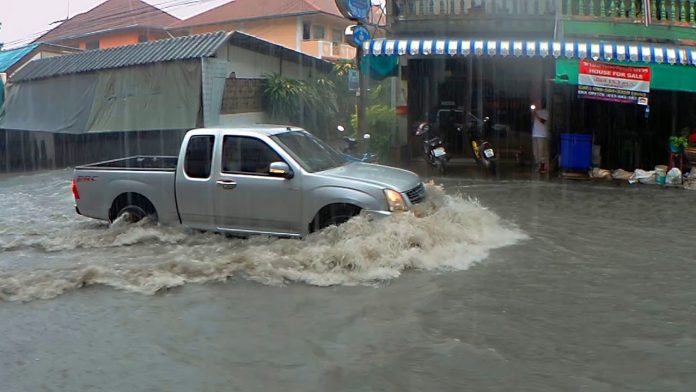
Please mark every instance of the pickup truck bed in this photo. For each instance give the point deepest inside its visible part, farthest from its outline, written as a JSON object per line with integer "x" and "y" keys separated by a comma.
{"x": 164, "y": 163}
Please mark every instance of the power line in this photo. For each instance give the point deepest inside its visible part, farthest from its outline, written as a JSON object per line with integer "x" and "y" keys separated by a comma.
{"x": 141, "y": 11}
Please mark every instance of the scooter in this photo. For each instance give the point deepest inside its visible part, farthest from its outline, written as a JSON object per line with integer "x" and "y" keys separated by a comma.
{"x": 434, "y": 150}
{"x": 482, "y": 150}
{"x": 350, "y": 150}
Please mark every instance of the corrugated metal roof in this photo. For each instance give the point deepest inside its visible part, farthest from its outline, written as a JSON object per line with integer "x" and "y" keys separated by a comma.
{"x": 182, "y": 48}
{"x": 8, "y": 58}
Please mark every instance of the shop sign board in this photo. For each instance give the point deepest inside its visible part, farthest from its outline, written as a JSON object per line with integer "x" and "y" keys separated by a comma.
{"x": 616, "y": 83}
{"x": 353, "y": 80}
{"x": 354, "y": 9}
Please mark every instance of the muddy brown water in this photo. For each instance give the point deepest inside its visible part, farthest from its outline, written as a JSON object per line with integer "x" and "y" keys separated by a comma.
{"x": 496, "y": 286}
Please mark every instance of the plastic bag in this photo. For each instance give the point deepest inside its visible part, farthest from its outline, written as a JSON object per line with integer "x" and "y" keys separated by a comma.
{"x": 621, "y": 174}
{"x": 600, "y": 173}
{"x": 674, "y": 176}
{"x": 643, "y": 176}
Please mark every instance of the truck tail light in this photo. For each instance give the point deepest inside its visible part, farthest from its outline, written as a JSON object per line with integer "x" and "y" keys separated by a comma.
{"x": 75, "y": 193}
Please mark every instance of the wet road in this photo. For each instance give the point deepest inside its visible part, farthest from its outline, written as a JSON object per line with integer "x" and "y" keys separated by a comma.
{"x": 579, "y": 288}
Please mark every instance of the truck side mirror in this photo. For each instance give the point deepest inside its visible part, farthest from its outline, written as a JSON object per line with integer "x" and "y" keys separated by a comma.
{"x": 280, "y": 169}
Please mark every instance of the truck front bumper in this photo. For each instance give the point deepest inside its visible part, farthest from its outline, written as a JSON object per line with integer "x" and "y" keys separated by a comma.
{"x": 377, "y": 214}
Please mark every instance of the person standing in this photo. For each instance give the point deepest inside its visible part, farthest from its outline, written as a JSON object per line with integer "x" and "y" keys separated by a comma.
{"x": 540, "y": 138}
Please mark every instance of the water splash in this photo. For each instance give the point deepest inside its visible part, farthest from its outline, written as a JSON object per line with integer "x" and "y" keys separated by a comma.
{"x": 444, "y": 233}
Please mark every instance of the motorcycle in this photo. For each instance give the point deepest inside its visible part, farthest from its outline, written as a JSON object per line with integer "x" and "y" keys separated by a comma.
{"x": 482, "y": 150}
{"x": 350, "y": 150}
{"x": 434, "y": 150}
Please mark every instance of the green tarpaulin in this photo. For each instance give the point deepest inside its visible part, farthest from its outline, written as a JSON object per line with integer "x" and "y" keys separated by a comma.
{"x": 380, "y": 67}
{"x": 664, "y": 76}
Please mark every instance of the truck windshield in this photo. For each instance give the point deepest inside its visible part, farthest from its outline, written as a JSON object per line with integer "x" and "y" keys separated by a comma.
{"x": 311, "y": 153}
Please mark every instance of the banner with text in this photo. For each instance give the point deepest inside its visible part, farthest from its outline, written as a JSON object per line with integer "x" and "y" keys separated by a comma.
{"x": 616, "y": 83}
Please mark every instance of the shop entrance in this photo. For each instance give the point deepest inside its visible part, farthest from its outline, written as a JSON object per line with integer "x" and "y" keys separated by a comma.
{"x": 627, "y": 137}
{"x": 456, "y": 94}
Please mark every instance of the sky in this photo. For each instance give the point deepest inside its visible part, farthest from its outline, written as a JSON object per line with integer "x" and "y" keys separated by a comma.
{"x": 24, "y": 20}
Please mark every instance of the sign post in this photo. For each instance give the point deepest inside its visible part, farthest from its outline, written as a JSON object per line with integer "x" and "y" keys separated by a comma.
{"x": 356, "y": 35}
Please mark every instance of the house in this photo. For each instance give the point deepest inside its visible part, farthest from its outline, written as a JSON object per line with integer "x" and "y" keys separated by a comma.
{"x": 496, "y": 59}
{"x": 313, "y": 27}
{"x": 139, "y": 99}
{"x": 112, "y": 23}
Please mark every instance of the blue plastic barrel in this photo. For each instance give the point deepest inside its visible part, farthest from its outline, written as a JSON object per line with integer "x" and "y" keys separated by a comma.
{"x": 576, "y": 151}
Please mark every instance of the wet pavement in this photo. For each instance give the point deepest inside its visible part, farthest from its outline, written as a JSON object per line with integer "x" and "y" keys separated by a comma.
{"x": 538, "y": 286}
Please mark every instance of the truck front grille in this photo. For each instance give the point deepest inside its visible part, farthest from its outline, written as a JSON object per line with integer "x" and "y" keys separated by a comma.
{"x": 417, "y": 194}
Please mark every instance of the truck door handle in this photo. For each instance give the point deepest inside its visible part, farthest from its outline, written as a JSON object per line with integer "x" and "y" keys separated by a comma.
{"x": 225, "y": 184}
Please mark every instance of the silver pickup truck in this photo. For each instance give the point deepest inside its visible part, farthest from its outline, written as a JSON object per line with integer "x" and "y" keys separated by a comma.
{"x": 263, "y": 180}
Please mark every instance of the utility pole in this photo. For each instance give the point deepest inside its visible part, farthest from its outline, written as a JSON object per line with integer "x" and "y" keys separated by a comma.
{"x": 362, "y": 93}
{"x": 356, "y": 35}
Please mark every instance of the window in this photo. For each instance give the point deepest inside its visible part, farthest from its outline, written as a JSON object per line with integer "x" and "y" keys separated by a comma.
{"x": 311, "y": 153}
{"x": 92, "y": 45}
{"x": 318, "y": 32}
{"x": 306, "y": 31}
{"x": 337, "y": 36}
{"x": 247, "y": 155}
{"x": 199, "y": 155}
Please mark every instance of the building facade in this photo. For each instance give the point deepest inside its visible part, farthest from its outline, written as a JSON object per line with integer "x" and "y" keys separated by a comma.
{"x": 315, "y": 28}
{"x": 466, "y": 59}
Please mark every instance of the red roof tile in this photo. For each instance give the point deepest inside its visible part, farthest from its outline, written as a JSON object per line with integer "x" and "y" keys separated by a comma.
{"x": 252, "y": 9}
{"x": 112, "y": 14}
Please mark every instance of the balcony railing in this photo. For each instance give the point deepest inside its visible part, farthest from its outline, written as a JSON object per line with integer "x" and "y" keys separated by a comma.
{"x": 679, "y": 12}
{"x": 327, "y": 49}
{"x": 417, "y": 9}
{"x": 662, "y": 11}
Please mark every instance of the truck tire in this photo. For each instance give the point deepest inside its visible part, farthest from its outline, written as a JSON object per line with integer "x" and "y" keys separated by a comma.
{"x": 333, "y": 215}
{"x": 132, "y": 208}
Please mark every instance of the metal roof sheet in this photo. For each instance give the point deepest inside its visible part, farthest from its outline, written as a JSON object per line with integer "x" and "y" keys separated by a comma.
{"x": 181, "y": 48}
{"x": 8, "y": 58}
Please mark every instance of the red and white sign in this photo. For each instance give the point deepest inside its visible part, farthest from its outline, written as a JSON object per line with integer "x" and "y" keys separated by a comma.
{"x": 618, "y": 83}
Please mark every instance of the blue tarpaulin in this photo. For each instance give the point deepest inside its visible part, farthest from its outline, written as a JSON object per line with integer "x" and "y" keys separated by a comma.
{"x": 9, "y": 58}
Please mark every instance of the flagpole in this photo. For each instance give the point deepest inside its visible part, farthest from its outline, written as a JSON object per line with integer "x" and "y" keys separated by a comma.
{"x": 647, "y": 12}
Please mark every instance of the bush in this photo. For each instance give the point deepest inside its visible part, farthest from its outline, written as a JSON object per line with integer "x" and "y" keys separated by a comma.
{"x": 381, "y": 120}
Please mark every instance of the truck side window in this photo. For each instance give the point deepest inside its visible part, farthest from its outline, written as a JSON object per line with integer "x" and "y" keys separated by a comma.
{"x": 199, "y": 155}
{"x": 247, "y": 155}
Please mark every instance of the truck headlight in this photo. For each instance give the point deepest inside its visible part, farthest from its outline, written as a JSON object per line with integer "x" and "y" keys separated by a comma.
{"x": 395, "y": 200}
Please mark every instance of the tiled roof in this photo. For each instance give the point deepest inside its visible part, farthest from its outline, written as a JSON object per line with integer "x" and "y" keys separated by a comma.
{"x": 254, "y": 9}
{"x": 8, "y": 58}
{"x": 110, "y": 15}
{"x": 182, "y": 48}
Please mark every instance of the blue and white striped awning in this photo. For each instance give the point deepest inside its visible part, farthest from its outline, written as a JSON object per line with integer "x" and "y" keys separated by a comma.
{"x": 604, "y": 51}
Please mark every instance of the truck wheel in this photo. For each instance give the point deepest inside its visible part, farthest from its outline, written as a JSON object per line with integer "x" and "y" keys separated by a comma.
{"x": 131, "y": 214}
{"x": 333, "y": 215}
{"x": 132, "y": 208}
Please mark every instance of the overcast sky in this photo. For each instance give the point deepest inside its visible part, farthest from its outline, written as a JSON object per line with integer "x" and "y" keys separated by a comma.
{"x": 23, "y": 20}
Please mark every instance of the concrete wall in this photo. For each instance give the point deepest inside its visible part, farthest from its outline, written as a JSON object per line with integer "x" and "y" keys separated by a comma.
{"x": 247, "y": 64}
{"x": 214, "y": 73}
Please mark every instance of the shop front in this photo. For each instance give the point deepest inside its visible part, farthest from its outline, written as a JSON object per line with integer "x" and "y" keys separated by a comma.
{"x": 455, "y": 84}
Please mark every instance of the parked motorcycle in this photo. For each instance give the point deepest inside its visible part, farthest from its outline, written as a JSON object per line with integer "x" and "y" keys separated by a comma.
{"x": 482, "y": 150}
{"x": 434, "y": 150}
{"x": 352, "y": 147}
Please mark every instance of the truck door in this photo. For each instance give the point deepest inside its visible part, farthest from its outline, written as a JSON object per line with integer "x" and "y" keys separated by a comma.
{"x": 247, "y": 197}
{"x": 195, "y": 184}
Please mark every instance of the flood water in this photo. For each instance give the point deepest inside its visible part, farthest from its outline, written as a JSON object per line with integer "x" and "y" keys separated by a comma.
{"x": 494, "y": 286}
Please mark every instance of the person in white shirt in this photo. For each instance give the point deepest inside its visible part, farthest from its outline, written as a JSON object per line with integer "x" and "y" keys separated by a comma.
{"x": 540, "y": 138}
